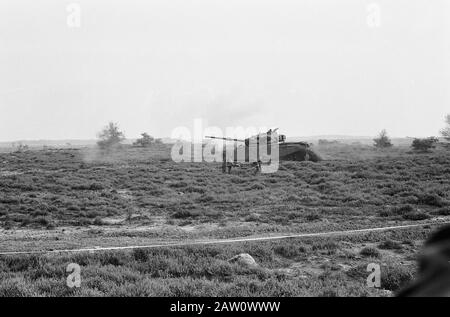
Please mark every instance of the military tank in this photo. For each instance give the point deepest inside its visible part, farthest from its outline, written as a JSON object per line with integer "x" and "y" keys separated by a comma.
{"x": 288, "y": 151}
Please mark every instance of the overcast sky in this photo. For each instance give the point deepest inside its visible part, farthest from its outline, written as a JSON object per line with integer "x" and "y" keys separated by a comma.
{"x": 310, "y": 67}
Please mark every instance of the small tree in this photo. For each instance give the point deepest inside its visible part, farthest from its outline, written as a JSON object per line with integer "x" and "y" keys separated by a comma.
{"x": 110, "y": 136}
{"x": 424, "y": 145}
{"x": 383, "y": 140}
{"x": 145, "y": 141}
{"x": 446, "y": 131}
{"x": 21, "y": 147}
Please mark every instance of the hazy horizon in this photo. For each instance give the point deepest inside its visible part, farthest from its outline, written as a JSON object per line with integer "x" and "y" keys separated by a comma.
{"x": 308, "y": 67}
{"x": 328, "y": 137}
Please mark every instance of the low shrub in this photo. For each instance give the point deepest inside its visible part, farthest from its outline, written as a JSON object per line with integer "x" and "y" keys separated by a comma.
{"x": 431, "y": 200}
{"x": 390, "y": 245}
{"x": 416, "y": 216}
{"x": 370, "y": 252}
{"x": 289, "y": 251}
{"x": 395, "y": 277}
{"x": 444, "y": 211}
{"x": 182, "y": 214}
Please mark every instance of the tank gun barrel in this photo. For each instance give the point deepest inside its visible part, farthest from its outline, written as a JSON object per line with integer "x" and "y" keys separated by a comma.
{"x": 226, "y": 139}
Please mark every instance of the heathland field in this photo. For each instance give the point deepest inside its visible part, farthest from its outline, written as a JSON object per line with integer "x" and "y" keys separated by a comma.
{"x": 56, "y": 199}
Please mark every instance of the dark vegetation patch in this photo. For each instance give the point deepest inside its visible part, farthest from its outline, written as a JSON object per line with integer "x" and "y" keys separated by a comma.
{"x": 396, "y": 276}
{"x": 189, "y": 271}
{"x": 370, "y": 252}
{"x": 69, "y": 187}
{"x": 390, "y": 245}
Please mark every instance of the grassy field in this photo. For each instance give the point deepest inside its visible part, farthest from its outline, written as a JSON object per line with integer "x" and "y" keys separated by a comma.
{"x": 71, "y": 198}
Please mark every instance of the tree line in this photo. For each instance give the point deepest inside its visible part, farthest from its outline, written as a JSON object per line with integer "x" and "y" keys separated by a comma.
{"x": 418, "y": 144}
{"x": 111, "y": 136}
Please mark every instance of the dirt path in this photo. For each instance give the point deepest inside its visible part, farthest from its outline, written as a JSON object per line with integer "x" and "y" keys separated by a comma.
{"x": 227, "y": 241}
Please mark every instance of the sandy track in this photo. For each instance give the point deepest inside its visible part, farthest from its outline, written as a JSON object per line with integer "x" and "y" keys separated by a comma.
{"x": 227, "y": 241}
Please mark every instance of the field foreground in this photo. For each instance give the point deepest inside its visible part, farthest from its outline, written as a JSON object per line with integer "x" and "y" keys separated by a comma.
{"x": 81, "y": 198}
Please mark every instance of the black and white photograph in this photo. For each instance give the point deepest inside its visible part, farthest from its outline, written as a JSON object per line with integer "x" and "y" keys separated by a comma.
{"x": 224, "y": 155}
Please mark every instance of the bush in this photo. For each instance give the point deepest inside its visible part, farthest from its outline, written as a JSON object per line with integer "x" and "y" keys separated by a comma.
{"x": 325, "y": 245}
{"x": 114, "y": 259}
{"x": 42, "y": 221}
{"x": 140, "y": 255}
{"x": 370, "y": 252}
{"x": 404, "y": 209}
{"x": 418, "y": 215}
{"x": 253, "y": 218}
{"x": 431, "y": 200}
{"x": 182, "y": 214}
{"x": 397, "y": 211}
{"x": 446, "y": 131}
{"x": 390, "y": 245}
{"x": 20, "y": 147}
{"x": 395, "y": 277}
{"x": 383, "y": 141}
{"x": 445, "y": 211}
{"x": 424, "y": 145}
{"x": 145, "y": 141}
{"x": 312, "y": 217}
{"x": 98, "y": 221}
{"x": 289, "y": 251}
{"x": 81, "y": 222}
{"x": 16, "y": 287}
{"x": 110, "y": 136}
